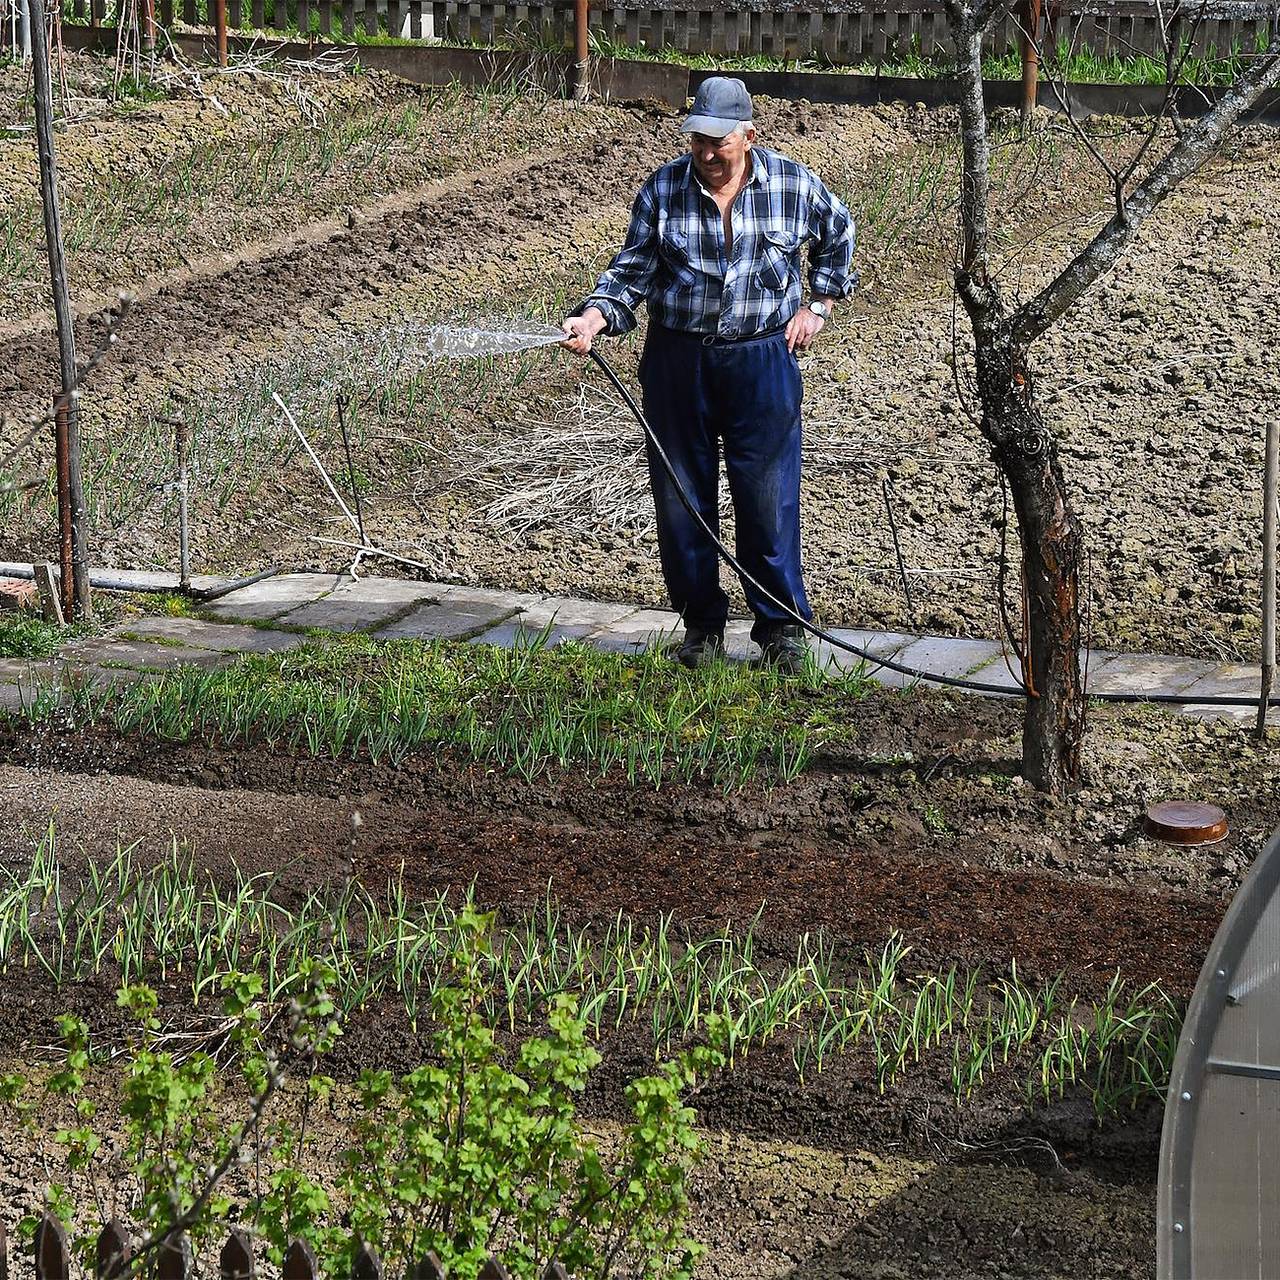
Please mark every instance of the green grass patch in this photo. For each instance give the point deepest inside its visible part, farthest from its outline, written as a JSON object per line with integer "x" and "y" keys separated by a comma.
{"x": 22, "y": 636}
{"x": 527, "y": 708}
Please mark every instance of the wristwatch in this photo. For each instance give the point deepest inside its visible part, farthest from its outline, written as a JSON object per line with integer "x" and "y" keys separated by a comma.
{"x": 820, "y": 309}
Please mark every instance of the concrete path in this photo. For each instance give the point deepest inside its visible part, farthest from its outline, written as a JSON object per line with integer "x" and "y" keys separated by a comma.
{"x": 273, "y": 614}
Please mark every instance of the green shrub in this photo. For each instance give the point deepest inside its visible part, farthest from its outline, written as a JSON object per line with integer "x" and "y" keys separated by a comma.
{"x": 474, "y": 1152}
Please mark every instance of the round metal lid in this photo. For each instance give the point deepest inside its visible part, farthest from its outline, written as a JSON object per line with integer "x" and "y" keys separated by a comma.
{"x": 1185, "y": 822}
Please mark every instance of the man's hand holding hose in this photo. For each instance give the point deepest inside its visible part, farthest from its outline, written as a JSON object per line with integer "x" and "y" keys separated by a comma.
{"x": 582, "y": 330}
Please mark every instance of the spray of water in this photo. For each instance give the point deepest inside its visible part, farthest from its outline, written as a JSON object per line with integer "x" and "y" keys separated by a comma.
{"x": 488, "y": 338}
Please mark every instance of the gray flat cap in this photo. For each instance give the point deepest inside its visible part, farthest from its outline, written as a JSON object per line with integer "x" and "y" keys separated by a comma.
{"x": 719, "y": 107}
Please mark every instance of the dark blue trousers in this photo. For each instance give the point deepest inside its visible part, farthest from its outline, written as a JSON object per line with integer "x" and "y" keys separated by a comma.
{"x": 744, "y": 396}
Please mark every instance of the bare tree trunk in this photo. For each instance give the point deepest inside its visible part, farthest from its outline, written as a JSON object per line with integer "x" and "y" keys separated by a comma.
{"x": 1052, "y": 542}
{"x": 1052, "y": 549}
{"x": 1026, "y": 454}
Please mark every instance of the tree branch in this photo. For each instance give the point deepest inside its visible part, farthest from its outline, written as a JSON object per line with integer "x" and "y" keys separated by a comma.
{"x": 973, "y": 270}
{"x": 1191, "y": 150}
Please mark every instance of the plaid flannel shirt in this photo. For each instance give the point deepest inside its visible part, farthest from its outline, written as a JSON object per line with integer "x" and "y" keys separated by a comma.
{"x": 674, "y": 256}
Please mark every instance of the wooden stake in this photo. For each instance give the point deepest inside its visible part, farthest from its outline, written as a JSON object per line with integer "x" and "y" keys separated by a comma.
{"x": 50, "y": 604}
{"x": 1270, "y": 519}
{"x": 220, "y": 26}
{"x": 43, "y": 93}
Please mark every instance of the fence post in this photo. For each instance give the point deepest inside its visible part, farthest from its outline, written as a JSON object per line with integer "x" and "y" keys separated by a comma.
{"x": 220, "y": 29}
{"x": 4, "y": 1253}
{"x": 366, "y": 1265}
{"x": 493, "y": 1270}
{"x": 1030, "y": 38}
{"x": 555, "y": 1271}
{"x": 428, "y": 1268}
{"x": 1270, "y": 517}
{"x": 53, "y": 1262}
{"x": 235, "y": 1262}
{"x": 581, "y": 41}
{"x": 114, "y": 1250}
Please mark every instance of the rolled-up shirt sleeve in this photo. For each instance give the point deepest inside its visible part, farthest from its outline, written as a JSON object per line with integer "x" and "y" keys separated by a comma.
{"x": 625, "y": 282}
{"x": 831, "y": 272}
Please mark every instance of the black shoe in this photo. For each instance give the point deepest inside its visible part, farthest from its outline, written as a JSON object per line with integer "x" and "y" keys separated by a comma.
{"x": 698, "y": 648}
{"x": 785, "y": 650}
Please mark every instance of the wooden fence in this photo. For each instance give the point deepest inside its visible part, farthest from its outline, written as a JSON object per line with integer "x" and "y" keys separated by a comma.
{"x": 51, "y": 1259}
{"x": 836, "y": 31}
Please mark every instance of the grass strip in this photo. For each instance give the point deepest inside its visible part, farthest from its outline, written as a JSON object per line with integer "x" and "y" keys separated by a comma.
{"x": 526, "y": 708}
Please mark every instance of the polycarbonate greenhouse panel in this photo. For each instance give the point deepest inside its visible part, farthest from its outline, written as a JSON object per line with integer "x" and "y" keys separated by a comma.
{"x": 1219, "y": 1199}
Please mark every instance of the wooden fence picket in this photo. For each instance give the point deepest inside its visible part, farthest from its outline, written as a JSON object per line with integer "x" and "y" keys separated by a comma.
{"x": 428, "y": 1268}
{"x": 366, "y": 1265}
{"x": 235, "y": 1262}
{"x": 173, "y": 1258}
{"x": 300, "y": 1262}
{"x": 53, "y": 1261}
{"x": 113, "y": 1250}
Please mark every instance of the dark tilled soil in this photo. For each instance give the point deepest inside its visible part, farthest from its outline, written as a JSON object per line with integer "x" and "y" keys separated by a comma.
{"x": 798, "y": 856}
{"x": 846, "y": 849}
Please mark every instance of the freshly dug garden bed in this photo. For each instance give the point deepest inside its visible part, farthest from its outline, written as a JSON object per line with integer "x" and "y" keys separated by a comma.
{"x": 1153, "y": 402}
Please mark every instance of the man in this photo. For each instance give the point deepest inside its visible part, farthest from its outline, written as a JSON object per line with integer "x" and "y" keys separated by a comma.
{"x": 714, "y": 250}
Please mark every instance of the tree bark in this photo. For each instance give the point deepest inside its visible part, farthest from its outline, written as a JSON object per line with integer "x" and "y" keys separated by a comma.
{"x": 1052, "y": 541}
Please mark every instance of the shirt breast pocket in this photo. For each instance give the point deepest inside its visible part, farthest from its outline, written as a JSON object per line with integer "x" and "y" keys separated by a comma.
{"x": 777, "y": 258}
{"x": 673, "y": 249}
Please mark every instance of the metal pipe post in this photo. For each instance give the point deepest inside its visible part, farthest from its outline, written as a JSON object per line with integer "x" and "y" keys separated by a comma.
{"x": 1270, "y": 519}
{"x": 62, "y": 472}
{"x": 220, "y": 27}
{"x": 43, "y": 94}
{"x": 581, "y": 58}
{"x": 1030, "y": 41}
{"x": 180, "y": 440}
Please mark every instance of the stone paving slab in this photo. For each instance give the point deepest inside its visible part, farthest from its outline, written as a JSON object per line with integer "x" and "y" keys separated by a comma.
{"x": 273, "y": 597}
{"x": 1143, "y": 672}
{"x": 447, "y": 622}
{"x": 141, "y": 654}
{"x": 637, "y": 631}
{"x": 452, "y": 593}
{"x": 366, "y": 604}
{"x": 565, "y": 612}
{"x": 519, "y": 632}
{"x": 880, "y": 644}
{"x": 1241, "y": 715}
{"x": 940, "y": 654}
{"x": 1230, "y": 680}
{"x": 226, "y": 637}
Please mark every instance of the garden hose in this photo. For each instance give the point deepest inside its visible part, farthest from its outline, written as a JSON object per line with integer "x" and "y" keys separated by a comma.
{"x": 954, "y": 682}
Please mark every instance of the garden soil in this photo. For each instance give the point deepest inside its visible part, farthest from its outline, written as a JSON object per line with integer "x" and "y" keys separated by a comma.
{"x": 1157, "y": 383}
{"x": 920, "y": 830}
{"x": 1158, "y": 386}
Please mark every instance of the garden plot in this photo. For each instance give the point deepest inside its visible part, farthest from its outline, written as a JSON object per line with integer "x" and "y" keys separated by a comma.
{"x": 933, "y": 988}
{"x": 950, "y": 1004}
{"x": 387, "y": 203}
